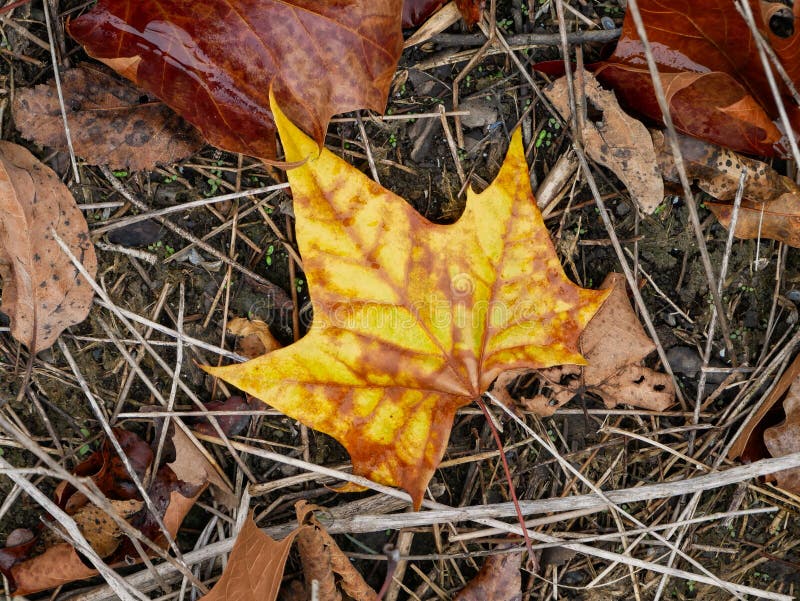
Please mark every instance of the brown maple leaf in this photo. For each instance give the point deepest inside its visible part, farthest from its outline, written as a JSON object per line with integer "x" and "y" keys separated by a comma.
{"x": 215, "y": 62}
{"x": 412, "y": 320}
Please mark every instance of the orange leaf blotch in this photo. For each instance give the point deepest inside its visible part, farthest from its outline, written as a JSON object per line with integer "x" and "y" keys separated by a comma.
{"x": 412, "y": 320}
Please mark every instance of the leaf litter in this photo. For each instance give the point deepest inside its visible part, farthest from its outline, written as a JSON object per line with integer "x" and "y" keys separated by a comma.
{"x": 635, "y": 461}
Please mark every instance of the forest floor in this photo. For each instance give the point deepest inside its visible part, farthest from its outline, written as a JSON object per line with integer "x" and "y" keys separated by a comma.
{"x": 615, "y": 448}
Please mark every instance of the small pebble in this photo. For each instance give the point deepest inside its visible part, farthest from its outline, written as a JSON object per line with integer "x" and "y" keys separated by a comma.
{"x": 793, "y": 295}
{"x": 141, "y": 233}
{"x": 608, "y": 23}
{"x": 684, "y": 360}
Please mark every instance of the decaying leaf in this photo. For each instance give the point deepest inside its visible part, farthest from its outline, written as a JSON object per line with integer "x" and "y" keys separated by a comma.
{"x": 710, "y": 69}
{"x": 498, "y": 579}
{"x": 770, "y": 206}
{"x": 324, "y": 561}
{"x": 412, "y": 320}
{"x": 256, "y": 339}
{"x": 230, "y": 424}
{"x": 183, "y": 475}
{"x": 415, "y": 12}
{"x": 773, "y": 430}
{"x": 214, "y": 62}
{"x": 614, "y": 344}
{"x": 100, "y": 531}
{"x": 109, "y": 125}
{"x": 43, "y": 293}
{"x": 615, "y": 140}
{"x": 255, "y": 567}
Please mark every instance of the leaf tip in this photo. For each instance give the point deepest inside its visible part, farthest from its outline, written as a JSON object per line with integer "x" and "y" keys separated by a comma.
{"x": 297, "y": 145}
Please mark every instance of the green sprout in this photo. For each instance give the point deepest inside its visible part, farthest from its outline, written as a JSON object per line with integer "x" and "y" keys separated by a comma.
{"x": 121, "y": 173}
{"x": 299, "y": 285}
{"x": 268, "y": 258}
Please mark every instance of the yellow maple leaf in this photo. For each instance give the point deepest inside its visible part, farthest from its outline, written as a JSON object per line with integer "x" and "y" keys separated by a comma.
{"x": 412, "y": 320}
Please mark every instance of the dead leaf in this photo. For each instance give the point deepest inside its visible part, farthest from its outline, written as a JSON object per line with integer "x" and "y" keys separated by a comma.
{"x": 324, "y": 561}
{"x": 614, "y": 344}
{"x": 770, "y": 207}
{"x": 615, "y": 140}
{"x": 412, "y": 320}
{"x": 178, "y": 482}
{"x": 784, "y": 438}
{"x": 772, "y": 431}
{"x": 214, "y": 63}
{"x": 43, "y": 293}
{"x": 231, "y": 425}
{"x": 255, "y": 566}
{"x": 256, "y": 338}
{"x": 109, "y": 123}
{"x": 415, "y": 12}
{"x": 498, "y": 579}
{"x": 100, "y": 531}
{"x": 712, "y": 75}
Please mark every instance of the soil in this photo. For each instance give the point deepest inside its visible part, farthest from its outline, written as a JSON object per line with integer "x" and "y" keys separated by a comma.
{"x": 414, "y": 160}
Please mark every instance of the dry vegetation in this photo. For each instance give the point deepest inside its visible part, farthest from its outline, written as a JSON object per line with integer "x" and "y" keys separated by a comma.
{"x": 172, "y": 282}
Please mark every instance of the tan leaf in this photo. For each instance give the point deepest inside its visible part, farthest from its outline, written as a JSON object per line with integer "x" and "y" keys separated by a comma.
{"x": 256, "y": 339}
{"x": 770, "y": 206}
{"x": 193, "y": 467}
{"x": 498, "y": 579}
{"x": 324, "y": 561}
{"x": 616, "y": 140}
{"x": 100, "y": 531}
{"x": 43, "y": 293}
{"x": 614, "y": 344}
{"x": 255, "y": 567}
{"x": 108, "y": 124}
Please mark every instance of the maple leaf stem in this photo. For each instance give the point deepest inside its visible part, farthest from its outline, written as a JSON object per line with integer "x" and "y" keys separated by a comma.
{"x": 511, "y": 490}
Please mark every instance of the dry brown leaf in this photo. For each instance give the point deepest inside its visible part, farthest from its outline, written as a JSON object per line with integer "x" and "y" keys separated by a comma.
{"x": 784, "y": 438}
{"x": 614, "y": 344}
{"x": 100, "y": 531}
{"x": 108, "y": 123}
{"x": 758, "y": 438}
{"x": 771, "y": 204}
{"x": 43, "y": 293}
{"x": 255, "y": 567}
{"x": 256, "y": 339}
{"x": 616, "y": 140}
{"x": 324, "y": 561}
{"x": 192, "y": 466}
{"x": 498, "y": 579}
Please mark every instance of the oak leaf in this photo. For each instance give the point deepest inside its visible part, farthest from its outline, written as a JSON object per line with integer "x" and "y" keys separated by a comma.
{"x": 255, "y": 566}
{"x": 43, "y": 293}
{"x": 109, "y": 125}
{"x": 615, "y": 140}
{"x": 412, "y": 320}
{"x": 710, "y": 69}
{"x": 615, "y": 345}
{"x": 214, "y": 62}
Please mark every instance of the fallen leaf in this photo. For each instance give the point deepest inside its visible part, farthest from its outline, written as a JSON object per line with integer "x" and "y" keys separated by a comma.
{"x": 614, "y": 344}
{"x": 498, "y": 579}
{"x": 324, "y": 562}
{"x": 615, "y": 140}
{"x": 43, "y": 293}
{"x": 710, "y": 69}
{"x": 215, "y": 62}
{"x": 109, "y": 125}
{"x": 768, "y": 432}
{"x": 178, "y": 482}
{"x": 255, "y": 566}
{"x": 416, "y": 12}
{"x": 100, "y": 531}
{"x": 230, "y": 424}
{"x": 256, "y": 338}
{"x": 770, "y": 207}
{"x": 412, "y": 320}
{"x": 784, "y": 438}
